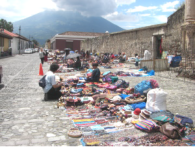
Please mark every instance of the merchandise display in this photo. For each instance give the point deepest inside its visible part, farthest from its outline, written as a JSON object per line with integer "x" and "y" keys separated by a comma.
{"x": 111, "y": 113}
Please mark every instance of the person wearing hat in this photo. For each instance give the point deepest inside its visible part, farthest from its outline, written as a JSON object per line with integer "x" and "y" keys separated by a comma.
{"x": 95, "y": 76}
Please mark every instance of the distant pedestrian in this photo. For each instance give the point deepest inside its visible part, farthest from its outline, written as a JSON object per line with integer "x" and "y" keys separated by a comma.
{"x": 45, "y": 55}
{"x": 41, "y": 55}
{"x": 137, "y": 60}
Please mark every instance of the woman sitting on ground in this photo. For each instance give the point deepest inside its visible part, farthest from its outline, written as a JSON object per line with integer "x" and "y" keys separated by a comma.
{"x": 70, "y": 63}
{"x": 52, "y": 88}
{"x": 95, "y": 76}
{"x": 77, "y": 64}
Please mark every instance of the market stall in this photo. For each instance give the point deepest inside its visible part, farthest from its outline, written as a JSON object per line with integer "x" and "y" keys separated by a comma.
{"x": 111, "y": 113}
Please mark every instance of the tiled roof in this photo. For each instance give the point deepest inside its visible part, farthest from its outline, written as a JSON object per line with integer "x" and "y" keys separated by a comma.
{"x": 82, "y": 34}
{"x": 2, "y": 34}
{"x": 22, "y": 37}
{"x": 15, "y": 35}
{"x": 10, "y": 33}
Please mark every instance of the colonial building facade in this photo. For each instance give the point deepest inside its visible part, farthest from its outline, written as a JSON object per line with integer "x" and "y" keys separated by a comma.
{"x": 71, "y": 40}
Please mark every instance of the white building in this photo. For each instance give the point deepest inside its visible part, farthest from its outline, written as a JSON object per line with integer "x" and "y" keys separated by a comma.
{"x": 24, "y": 43}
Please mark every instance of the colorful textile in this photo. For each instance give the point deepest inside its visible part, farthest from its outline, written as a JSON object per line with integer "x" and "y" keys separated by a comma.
{"x": 163, "y": 118}
{"x": 146, "y": 125}
{"x": 82, "y": 120}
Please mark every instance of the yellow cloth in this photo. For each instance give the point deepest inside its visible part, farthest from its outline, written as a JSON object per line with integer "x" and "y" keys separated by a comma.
{"x": 82, "y": 120}
{"x": 134, "y": 121}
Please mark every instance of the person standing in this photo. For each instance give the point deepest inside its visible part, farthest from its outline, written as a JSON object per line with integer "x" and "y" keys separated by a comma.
{"x": 45, "y": 55}
{"x": 137, "y": 60}
{"x": 41, "y": 55}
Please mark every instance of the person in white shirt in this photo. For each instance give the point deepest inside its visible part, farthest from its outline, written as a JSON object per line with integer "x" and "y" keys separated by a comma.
{"x": 52, "y": 88}
{"x": 41, "y": 55}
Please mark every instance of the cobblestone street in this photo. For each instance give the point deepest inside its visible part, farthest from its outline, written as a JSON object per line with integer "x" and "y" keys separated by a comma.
{"x": 25, "y": 119}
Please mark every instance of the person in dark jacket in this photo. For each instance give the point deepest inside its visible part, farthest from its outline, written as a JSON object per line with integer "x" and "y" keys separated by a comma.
{"x": 77, "y": 64}
{"x": 95, "y": 76}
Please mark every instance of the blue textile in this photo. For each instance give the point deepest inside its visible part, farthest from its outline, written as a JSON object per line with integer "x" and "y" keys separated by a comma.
{"x": 84, "y": 122}
{"x": 97, "y": 127}
{"x": 82, "y": 142}
{"x": 123, "y": 96}
{"x": 80, "y": 84}
{"x": 105, "y": 73}
{"x": 151, "y": 73}
{"x": 89, "y": 70}
{"x": 175, "y": 61}
{"x": 140, "y": 105}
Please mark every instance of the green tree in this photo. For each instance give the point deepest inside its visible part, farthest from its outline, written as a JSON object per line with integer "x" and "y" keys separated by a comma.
{"x": 6, "y": 25}
{"x": 35, "y": 42}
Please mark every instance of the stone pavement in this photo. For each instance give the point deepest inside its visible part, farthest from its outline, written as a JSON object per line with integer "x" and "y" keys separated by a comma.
{"x": 25, "y": 119}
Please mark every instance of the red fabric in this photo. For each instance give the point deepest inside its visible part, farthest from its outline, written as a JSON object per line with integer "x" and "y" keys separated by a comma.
{"x": 45, "y": 58}
{"x": 137, "y": 111}
{"x": 112, "y": 56}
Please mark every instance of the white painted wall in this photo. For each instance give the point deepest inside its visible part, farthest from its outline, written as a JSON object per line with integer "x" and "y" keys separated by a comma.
{"x": 15, "y": 45}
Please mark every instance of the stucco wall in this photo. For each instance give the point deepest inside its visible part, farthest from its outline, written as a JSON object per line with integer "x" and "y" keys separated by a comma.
{"x": 138, "y": 40}
{"x": 173, "y": 37}
{"x": 6, "y": 44}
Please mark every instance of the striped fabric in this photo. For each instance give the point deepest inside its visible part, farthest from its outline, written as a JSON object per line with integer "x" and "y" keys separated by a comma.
{"x": 146, "y": 125}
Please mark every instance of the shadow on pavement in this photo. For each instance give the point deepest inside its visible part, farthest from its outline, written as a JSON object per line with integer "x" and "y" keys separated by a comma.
{"x": 1, "y": 86}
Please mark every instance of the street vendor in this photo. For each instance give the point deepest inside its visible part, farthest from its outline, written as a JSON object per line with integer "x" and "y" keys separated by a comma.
{"x": 52, "y": 88}
{"x": 77, "y": 64}
{"x": 70, "y": 63}
{"x": 95, "y": 76}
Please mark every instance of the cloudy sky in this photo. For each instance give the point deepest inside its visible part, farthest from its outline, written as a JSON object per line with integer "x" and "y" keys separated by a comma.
{"x": 127, "y": 14}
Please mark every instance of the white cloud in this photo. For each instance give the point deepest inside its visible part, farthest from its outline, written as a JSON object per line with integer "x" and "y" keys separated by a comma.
{"x": 124, "y": 2}
{"x": 122, "y": 17}
{"x": 141, "y": 9}
{"x": 88, "y": 7}
{"x": 145, "y": 14}
{"x": 169, "y": 7}
{"x": 161, "y": 18}
{"x": 13, "y": 10}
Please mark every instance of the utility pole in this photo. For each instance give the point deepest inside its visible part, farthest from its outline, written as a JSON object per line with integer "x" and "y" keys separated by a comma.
{"x": 29, "y": 41}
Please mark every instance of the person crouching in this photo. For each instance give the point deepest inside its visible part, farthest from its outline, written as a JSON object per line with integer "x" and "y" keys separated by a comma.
{"x": 52, "y": 88}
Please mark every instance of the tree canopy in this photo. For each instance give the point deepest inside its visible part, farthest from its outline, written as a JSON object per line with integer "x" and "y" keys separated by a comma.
{"x": 35, "y": 42}
{"x": 6, "y": 25}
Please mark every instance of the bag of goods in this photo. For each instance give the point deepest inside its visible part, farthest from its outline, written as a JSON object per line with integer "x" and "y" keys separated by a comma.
{"x": 140, "y": 87}
{"x": 121, "y": 84}
{"x": 170, "y": 131}
{"x": 156, "y": 100}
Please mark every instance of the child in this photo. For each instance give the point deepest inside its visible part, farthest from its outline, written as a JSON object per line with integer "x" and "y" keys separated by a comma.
{"x": 137, "y": 61}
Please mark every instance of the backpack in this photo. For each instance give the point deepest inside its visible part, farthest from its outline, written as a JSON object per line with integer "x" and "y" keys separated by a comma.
{"x": 140, "y": 87}
{"x": 42, "y": 82}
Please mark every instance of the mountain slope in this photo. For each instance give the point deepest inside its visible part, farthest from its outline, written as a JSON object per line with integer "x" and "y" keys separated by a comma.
{"x": 45, "y": 25}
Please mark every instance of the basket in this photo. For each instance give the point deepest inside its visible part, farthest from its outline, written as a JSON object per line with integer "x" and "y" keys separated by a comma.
{"x": 137, "y": 100}
{"x": 75, "y": 133}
